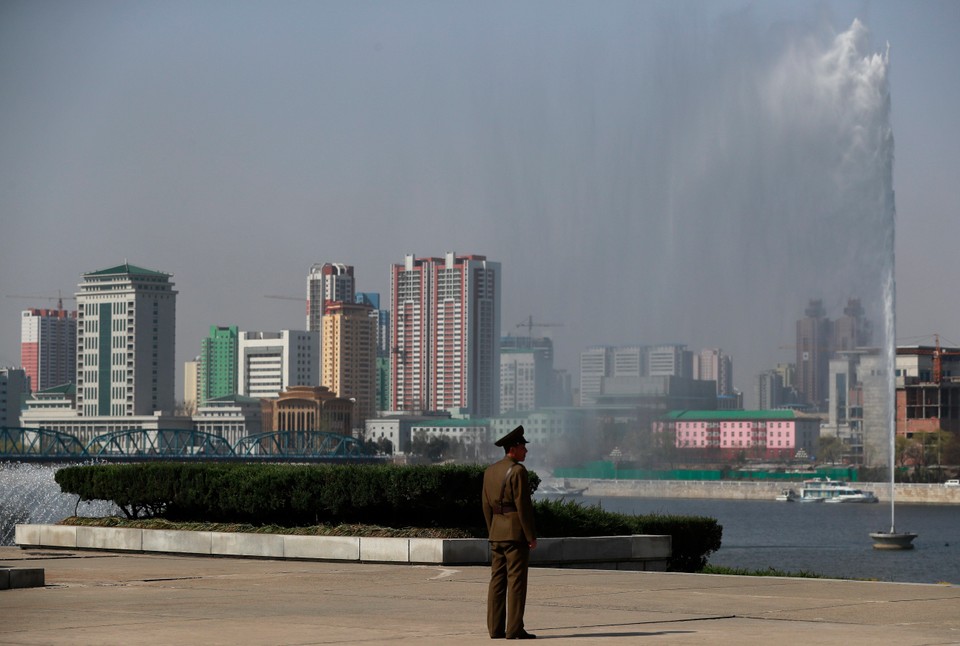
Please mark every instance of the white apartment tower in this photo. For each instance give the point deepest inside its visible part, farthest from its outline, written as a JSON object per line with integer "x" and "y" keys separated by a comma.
{"x": 446, "y": 334}
{"x": 270, "y": 362}
{"x": 126, "y": 336}
{"x": 331, "y": 281}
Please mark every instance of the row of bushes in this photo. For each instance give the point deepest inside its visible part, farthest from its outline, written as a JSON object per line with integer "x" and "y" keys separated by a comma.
{"x": 386, "y": 495}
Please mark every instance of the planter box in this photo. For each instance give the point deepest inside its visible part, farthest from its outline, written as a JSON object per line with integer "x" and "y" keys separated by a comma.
{"x": 637, "y": 552}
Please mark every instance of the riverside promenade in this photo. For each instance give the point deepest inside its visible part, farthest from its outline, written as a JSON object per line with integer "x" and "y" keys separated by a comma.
{"x": 112, "y": 598}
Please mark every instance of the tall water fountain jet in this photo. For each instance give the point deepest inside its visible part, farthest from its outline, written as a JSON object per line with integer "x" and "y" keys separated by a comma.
{"x": 863, "y": 79}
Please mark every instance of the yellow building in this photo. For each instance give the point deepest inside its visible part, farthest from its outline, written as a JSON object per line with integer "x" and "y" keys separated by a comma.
{"x": 349, "y": 362}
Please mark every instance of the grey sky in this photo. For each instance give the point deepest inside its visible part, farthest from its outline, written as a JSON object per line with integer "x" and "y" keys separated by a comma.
{"x": 612, "y": 156}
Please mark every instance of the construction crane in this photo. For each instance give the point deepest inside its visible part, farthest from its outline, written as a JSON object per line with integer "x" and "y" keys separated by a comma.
{"x": 529, "y": 324}
{"x": 286, "y": 298}
{"x": 34, "y": 297}
{"x": 938, "y": 354}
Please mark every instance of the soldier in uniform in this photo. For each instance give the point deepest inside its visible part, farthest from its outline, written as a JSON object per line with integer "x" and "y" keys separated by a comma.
{"x": 508, "y": 511}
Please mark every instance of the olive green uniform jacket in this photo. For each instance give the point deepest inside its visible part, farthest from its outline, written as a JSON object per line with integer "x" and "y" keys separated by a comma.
{"x": 512, "y": 525}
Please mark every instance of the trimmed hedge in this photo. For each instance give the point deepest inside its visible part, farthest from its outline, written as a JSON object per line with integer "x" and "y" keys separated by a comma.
{"x": 695, "y": 538}
{"x": 445, "y": 496}
{"x": 291, "y": 495}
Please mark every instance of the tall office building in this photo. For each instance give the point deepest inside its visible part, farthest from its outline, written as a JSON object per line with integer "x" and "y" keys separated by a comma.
{"x": 126, "y": 338}
{"x": 813, "y": 354}
{"x": 595, "y": 364}
{"x": 270, "y": 362}
{"x": 13, "y": 394}
{"x": 446, "y": 332}
{"x": 819, "y": 339}
{"x": 769, "y": 390}
{"x": 528, "y": 381}
{"x": 325, "y": 283}
{"x": 711, "y": 364}
{"x": 669, "y": 360}
{"x": 852, "y": 330}
{"x": 218, "y": 363}
{"x": 191, "y": 383}
{"x": 350, "y": 354}
{"x": 48, "y": 347}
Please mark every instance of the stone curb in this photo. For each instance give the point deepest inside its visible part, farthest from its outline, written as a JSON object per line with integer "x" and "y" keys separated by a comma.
{"x": 637, "y": 552}
{"x": 21, "y": 577}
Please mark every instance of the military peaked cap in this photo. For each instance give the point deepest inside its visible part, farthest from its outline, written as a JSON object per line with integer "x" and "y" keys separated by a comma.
{"x": 512, "y": 438}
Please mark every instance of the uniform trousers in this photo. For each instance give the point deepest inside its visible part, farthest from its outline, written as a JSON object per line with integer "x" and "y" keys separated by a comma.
{"x": 507, "y": 594}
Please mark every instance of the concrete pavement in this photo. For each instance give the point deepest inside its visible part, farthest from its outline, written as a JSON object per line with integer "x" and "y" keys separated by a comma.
{"x": 109, "y": 598}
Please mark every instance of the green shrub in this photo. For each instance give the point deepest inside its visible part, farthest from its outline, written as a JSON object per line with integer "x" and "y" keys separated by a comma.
{"x": 445, "y": 496}
{"x": 694, "y": 538}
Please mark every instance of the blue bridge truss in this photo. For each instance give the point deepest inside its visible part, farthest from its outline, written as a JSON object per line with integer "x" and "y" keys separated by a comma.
{"x": 177, "y": 444}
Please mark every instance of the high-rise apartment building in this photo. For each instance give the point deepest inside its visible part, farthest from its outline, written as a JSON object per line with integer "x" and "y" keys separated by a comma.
{"x": 446, "y": 332}
{"x": 325, "y": 283}
{"x": 218, "y": 363}
{"x": 382, "y": 316}
{"x": 48, "y": 347}
{"x": 270, "y": 362}
{"x": 350, "y": 354}
{"x": 126, "y": 337}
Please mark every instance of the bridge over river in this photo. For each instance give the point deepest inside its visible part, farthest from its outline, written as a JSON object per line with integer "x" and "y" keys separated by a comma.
{"x": 46, "y": 445}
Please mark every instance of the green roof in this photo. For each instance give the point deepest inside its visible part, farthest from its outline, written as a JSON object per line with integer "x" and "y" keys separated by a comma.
{"x": 454, "y": 422}
{"x": 238, "y": 399}
{"x": 69, "y": 388}
{"x": 690, "y": 415}
{"x": 126, "y": 268}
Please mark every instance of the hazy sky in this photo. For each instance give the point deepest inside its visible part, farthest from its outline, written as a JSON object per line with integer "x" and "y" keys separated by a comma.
{"x": 646, "y": 172}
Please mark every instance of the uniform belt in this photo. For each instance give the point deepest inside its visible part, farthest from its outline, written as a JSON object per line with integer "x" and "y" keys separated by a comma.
{"x": 504, "y": 509}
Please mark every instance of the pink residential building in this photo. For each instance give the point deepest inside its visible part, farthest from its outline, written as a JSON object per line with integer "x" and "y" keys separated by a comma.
{"x": 726, "y": 435}
{"x": 48, "y": 347}
{"x": 446, "y": 334}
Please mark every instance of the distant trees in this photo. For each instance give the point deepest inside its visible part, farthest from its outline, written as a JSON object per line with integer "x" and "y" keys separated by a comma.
{"x": 830, "y": 449}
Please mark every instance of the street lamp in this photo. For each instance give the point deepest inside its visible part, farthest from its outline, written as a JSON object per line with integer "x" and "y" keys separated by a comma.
{"x": 615, "y": 456}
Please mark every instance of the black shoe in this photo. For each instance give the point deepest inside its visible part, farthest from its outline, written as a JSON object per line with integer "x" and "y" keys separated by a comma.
{"x": 498, "y": 636}
{"x": 524, "y": 635}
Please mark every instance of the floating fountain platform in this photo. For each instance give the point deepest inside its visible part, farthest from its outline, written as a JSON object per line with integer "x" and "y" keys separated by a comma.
{"x": 893, "y": 540}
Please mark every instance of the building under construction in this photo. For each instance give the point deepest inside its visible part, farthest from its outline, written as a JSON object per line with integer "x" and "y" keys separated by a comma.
{"x": 928, "y": 389}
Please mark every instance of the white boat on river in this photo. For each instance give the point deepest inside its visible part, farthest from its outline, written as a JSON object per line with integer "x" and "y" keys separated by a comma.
{"x": 558, "y": 490}
{"x": 835, "y": 491}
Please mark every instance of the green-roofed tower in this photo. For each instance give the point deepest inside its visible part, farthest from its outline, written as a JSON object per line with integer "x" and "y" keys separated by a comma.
{"x": 126, "y": 337}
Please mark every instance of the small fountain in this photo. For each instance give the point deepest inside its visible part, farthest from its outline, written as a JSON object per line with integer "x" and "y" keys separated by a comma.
{"x": 30, "y": 495}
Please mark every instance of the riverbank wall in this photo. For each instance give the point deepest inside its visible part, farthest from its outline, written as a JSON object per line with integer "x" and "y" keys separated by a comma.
{"x": 934, "y": 494}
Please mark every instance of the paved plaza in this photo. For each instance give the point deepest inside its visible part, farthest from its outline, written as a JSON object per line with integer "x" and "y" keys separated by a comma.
{"x": 109, "y": 598}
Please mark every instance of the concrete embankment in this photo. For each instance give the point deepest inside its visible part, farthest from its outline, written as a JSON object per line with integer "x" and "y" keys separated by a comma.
{"x": 936, "y": 494}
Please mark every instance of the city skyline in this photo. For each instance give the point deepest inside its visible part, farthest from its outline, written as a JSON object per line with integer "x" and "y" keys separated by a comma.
{"x": 236, "y": 147}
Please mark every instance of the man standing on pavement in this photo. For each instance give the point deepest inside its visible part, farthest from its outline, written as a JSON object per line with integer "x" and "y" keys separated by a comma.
{"x": 508, "y": 511}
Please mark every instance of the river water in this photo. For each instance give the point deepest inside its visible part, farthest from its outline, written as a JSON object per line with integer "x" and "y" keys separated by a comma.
{"x": 831, "y": 540}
